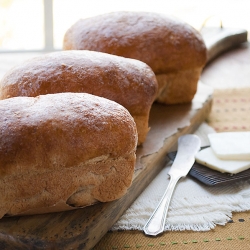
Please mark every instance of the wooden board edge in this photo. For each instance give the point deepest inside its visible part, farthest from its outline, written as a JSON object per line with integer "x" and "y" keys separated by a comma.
{"x": 220, "y": 40}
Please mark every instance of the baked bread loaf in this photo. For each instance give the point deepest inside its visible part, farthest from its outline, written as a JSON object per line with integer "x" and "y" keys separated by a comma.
{"x": 60, "y": 151}
{"x": 173, "y": 49}
{"x": 128, "y": 82}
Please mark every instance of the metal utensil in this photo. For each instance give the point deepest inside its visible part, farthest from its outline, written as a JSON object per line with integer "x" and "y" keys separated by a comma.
{"x": 188, "y": 146}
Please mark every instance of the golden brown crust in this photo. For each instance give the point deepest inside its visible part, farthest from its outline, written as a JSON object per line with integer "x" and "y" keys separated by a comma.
{"x": 55, "y": 146}
{"x": 166, "y": 44}
{"x": 178, "y": 87}
{"x": 129, "y": 82}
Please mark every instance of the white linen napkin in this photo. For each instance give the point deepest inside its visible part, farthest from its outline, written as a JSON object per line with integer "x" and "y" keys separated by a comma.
{"x": 194, "y": 206}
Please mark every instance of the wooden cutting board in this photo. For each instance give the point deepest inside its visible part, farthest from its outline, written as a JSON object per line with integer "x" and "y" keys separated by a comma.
{"x": 83, "y": 228}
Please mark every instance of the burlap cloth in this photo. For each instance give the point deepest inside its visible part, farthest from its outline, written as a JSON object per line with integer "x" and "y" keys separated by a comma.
{"x": 230, "y": 112}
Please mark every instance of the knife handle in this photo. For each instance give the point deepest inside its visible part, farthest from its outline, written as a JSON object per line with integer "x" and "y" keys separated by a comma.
{"x": 155, "y": 224}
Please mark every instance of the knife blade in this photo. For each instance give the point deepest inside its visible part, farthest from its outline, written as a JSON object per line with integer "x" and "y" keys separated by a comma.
{"x": 188, "y": 146}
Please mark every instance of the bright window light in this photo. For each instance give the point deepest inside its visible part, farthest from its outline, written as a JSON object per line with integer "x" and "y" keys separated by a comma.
{"x": 21, "y": 25}
{"x": 41, "y": 24}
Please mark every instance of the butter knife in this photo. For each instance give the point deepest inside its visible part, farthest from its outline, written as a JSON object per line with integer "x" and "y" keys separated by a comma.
{"x": 188, "y": 146}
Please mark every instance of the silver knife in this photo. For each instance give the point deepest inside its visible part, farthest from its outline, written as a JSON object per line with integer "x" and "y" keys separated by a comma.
{"x": 188, "y": 146}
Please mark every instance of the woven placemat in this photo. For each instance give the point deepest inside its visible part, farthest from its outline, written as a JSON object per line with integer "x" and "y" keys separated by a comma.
{"x": 235, "y": 235}
{"x": 230, "y": 112}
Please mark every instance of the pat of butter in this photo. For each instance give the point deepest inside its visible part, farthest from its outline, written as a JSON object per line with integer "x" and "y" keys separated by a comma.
{"x": 207, "y": 158}
{"x": 231, "y": 145}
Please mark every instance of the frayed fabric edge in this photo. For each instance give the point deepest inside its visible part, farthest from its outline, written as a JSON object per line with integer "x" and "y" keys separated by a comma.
{"x": 208, "y": 220}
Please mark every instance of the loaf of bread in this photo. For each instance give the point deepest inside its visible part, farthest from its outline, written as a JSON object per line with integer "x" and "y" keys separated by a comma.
{"x": 128, "y": 82}
{"x": 61, "y": 151}
{"x": 173, "y": 49}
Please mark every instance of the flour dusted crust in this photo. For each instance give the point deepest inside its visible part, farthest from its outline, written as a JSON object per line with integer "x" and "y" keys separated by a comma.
{"x": 173, "y": 49}
{"x": 128, "y": 82}
{"x": 72, "y": 149}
